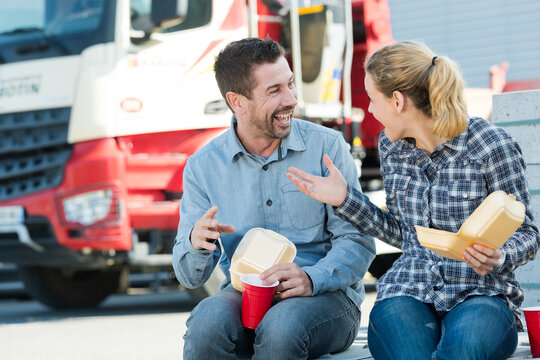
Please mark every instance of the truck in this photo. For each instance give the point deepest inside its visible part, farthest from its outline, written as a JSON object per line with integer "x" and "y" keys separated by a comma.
{"x": 103, "y": 101}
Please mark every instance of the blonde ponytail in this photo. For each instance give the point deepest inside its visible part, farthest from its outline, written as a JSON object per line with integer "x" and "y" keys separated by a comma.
{"x": 448, "y": 108}
{"x": 434, "y": 84}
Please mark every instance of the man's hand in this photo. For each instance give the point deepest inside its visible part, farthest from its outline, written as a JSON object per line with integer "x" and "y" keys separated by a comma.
{"x": 293, "y": 280}
{"x": 207, "y": 230}
{"x": 481, "y": 259}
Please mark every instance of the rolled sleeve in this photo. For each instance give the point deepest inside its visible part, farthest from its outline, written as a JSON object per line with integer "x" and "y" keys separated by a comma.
{"x": 190, "y": 264}
{"x": 318, "y": 278}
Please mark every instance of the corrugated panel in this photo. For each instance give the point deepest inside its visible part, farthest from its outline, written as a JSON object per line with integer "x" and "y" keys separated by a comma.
{"x": 477, "y": 34}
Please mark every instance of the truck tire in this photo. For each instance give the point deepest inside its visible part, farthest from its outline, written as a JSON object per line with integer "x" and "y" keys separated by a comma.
{"x": 66, "y": 289}
{"x": 209, "y": 288}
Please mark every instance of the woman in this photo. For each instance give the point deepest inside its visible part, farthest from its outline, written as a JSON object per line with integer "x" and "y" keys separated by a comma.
{"x": 438, "y": 165}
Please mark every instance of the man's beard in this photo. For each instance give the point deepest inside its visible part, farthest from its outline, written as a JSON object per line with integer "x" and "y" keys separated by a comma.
{"x": 268, "y": 126}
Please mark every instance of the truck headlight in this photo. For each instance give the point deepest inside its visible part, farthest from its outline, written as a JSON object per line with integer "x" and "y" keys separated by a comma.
{"x": 89, "y": 207}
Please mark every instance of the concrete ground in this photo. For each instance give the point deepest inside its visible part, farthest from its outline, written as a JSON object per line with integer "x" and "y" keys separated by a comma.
{"x": 136, "y": 326}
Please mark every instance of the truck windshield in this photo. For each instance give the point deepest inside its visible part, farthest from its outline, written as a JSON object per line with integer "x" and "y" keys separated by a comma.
{"x": 32, "y": 29}
{"x": 199, "y": 13}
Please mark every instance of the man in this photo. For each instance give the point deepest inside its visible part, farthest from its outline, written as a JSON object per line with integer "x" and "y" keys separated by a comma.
{"x": 243, "y": 174}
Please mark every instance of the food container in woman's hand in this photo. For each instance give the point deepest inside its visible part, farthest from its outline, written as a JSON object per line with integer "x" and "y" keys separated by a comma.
{"x": 259, "y": 249}
{"x": 444, "y": 243}
{"x": 490, "y": 225}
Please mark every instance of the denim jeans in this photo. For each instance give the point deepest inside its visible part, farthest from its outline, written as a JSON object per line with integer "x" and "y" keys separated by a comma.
{"x": 294, "y": 328}
{"x": 481, "y": 327}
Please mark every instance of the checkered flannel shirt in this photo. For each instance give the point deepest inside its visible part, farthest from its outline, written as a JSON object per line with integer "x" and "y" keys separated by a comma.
{"x": 440, "y": 191}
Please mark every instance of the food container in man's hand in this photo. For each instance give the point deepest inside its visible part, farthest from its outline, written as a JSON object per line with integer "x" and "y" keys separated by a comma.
{"x": 259, "y": 249}
{"x": 490, "y": 225}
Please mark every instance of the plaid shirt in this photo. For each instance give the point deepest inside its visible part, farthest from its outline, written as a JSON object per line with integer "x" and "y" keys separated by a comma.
{"x": 440, "y": 191}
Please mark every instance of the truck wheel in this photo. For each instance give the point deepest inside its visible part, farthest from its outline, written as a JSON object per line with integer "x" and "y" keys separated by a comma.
{"x": 209, "y": 288}
{"x": 65, "y": 288}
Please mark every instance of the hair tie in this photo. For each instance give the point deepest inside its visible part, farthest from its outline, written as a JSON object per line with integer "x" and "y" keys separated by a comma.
{"x": 433, "y": 60}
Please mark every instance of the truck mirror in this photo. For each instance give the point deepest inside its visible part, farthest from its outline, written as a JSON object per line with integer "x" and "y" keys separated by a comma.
{"x": 168, "y": 12}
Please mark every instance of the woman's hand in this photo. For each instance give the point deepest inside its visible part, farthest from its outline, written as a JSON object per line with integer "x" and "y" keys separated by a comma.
{"x": 331, "y": 190}
{"x": 481, "y": 259}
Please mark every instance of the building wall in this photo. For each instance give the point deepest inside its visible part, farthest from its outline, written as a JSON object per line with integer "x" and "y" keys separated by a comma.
{"x": 519, "y": 114}
{"x": 477, "y": 34}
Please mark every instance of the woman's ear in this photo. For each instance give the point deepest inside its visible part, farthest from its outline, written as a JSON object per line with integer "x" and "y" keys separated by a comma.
{"x": 398, "y": 100}
{"x": 235, "y": 100}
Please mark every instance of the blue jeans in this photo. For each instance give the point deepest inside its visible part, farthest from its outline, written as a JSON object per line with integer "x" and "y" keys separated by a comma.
{"x": 294, "y": 328}
{"x": 481, "y": 327}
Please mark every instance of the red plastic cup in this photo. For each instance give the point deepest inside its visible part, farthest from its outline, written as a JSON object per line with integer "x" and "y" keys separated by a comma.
{"x": 256, "y": 299}
{"x": 532, "y": 317}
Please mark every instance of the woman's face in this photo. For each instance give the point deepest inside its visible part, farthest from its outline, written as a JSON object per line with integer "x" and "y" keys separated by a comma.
{"x": 384, "y": 109}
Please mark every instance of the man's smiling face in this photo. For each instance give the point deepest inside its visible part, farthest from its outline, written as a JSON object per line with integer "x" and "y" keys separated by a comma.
{"x": 273, "y": 100}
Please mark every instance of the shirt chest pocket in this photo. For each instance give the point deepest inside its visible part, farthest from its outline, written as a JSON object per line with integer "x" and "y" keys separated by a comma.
{"x": 464, "y": 196}
{"x": 303, "y": 212}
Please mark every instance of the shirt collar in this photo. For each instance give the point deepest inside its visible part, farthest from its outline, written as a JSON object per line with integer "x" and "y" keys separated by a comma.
{"x": 235, "y": 148}
{"x": 399, "y": 146}
{"x": 458, "y": 143}
{"x": 293, "y": 142}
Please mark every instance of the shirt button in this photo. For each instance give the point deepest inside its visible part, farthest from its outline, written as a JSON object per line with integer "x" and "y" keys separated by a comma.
{"x": 269, "y": 202}
{"x": 265, "y": 167}
{"x": 465, "y": 195}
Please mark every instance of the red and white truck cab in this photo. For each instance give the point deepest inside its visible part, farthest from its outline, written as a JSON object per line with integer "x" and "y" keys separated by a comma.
{"x": 101, "y": 103}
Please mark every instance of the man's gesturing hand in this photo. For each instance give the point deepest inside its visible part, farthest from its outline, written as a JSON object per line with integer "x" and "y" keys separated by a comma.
{"x": 207, "y": 230}
{"x": 293, "y": 280}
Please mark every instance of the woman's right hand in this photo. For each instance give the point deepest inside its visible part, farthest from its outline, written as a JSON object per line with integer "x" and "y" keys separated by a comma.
{"x": 331, "y": 190}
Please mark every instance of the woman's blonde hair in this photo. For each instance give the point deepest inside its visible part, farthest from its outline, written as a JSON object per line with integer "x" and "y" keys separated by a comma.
{"x": 433, "y": 83}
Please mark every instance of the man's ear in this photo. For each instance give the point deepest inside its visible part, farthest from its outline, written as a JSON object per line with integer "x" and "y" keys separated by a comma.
{"x": 399, "y": 101}
{"x": 236, "y": 101}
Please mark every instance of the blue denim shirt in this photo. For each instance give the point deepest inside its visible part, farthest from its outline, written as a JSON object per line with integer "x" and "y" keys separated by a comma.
{"x": 251, "y": 191}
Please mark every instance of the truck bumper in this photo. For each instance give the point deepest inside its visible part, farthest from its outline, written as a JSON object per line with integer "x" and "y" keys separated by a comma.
{"x": 48, "y": 252}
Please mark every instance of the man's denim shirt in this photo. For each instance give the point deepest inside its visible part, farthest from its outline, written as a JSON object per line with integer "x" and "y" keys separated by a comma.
{"x": 251, "y": 191}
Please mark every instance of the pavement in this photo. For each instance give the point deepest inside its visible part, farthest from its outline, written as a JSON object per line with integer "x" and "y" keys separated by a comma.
{"x": 163, "y": 314}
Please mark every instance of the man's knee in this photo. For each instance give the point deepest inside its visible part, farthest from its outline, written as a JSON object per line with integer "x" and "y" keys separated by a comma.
{"x": 283, "y": 333}
{"x": 212, "y": 315}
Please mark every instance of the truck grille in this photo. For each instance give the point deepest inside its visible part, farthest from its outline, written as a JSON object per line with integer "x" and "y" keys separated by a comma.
{"x": 33, "y": 151}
